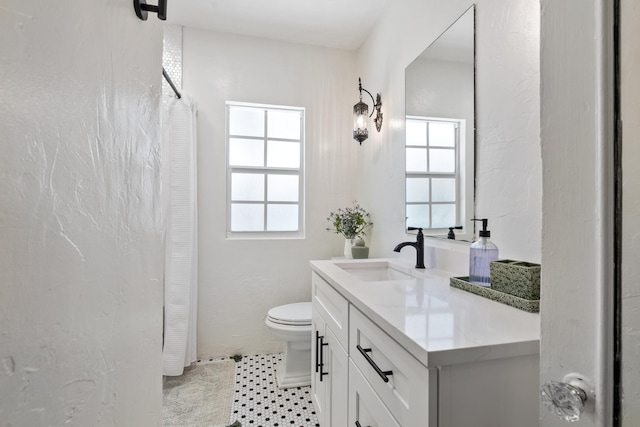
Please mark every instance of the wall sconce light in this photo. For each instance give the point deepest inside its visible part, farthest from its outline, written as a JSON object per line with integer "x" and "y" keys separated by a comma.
{"x": 360, "y": 113}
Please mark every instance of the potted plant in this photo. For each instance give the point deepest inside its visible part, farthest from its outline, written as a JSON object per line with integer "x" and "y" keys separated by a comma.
{"x": 350, "y": 222}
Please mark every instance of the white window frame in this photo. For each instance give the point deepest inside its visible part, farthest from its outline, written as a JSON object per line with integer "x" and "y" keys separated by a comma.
{"x": 463, "y": 175}
{"x": 265, "y": 234}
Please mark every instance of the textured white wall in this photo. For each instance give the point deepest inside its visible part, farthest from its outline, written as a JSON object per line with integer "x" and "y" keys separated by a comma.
{"x": 630, "y": 99}
{"x": 508, "y": 167}
{"x": 80, "y": 240}
{"x": 240, "y": 280}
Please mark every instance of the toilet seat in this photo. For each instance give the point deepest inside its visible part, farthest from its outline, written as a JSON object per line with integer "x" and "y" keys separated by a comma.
{"x": 296, "y": 314}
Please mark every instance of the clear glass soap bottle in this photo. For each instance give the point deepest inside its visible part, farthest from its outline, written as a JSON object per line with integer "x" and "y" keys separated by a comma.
{"x": 481, "y": 254}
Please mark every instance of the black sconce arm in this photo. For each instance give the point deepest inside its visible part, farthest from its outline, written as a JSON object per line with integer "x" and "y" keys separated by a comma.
{"x": 376, "y": 103}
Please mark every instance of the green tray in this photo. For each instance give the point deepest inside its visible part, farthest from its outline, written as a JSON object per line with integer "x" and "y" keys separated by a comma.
{"x": 532, "y": 306}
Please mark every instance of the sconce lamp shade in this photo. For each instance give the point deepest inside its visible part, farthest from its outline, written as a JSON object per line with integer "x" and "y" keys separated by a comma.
{"x": 360, "y": 116}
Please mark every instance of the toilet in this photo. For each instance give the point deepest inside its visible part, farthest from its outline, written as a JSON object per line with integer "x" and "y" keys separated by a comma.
{"x": 291, "y": 323}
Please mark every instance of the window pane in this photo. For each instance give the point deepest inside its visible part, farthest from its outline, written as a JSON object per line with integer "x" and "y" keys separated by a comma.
{"x": 442, "y": 160}
{"x": 417, "y": 189}
{"x": 281, "y": 154}
{"x": 282, "y": 217}
{"x": 416, "y": 132}
{"x": 418, "y": 216}
{"x": 443, "y": 216}
{"x": 247, "y": 217}
{"x": 283, "y": 124}
{"x": 246, "y": 152}
{"x": 442, "y": 134}
{"x": 282, "y": 188}
{"x": 247, "y": 186}
{"x": 416, "y": 160}
{"x": 443, "y": 190}
{"x": 246, "y": 121}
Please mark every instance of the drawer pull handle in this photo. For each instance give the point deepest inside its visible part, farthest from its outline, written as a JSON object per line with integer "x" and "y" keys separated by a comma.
{"x": 383, "y": 374}
{"x": 358, "y": 424}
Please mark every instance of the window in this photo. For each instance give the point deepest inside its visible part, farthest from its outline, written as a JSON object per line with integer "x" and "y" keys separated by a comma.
{"x": 434, "y": 184}
{"x": 265, "y": 185}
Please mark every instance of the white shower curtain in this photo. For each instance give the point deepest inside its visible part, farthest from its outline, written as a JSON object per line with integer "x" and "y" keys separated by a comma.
{"x": 181, "y": 237}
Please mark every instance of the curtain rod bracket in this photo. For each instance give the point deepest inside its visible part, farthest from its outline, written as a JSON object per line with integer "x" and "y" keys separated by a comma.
{"x": 142, "y": 9}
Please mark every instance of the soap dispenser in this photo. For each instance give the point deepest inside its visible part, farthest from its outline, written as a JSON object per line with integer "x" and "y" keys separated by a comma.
{"x": 481, "y": 254}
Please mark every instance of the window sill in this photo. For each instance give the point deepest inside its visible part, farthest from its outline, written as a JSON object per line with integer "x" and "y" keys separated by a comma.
{"x": 236, "y": 235}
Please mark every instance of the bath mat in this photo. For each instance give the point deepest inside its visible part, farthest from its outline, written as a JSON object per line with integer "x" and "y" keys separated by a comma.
{"x": 200, "y": 397}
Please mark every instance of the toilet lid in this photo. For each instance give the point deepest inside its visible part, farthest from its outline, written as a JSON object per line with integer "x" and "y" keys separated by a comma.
{"x": 298, "y": 313}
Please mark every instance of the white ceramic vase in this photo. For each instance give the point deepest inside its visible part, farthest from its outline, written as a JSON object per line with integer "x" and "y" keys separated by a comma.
{"x": 347, "y": 247}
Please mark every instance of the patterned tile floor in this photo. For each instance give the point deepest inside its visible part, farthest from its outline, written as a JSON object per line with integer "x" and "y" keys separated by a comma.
{"x": 257, "y": 400}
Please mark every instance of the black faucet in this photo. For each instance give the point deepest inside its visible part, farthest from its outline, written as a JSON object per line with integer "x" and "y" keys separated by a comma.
{"x": 418, "y": 244}
{"x": 452, "y": 234}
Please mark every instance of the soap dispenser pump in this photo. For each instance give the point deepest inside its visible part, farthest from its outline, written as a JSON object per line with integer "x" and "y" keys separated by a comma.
{"x": 481, "y": 254}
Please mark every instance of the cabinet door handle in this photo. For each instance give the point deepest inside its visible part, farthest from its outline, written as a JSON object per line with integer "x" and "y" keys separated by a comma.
{"x": 317, "y": 347}
{"x": 383, "y": 374}
{"x": 358, "y": 424}
{"x": 321, "y": 365}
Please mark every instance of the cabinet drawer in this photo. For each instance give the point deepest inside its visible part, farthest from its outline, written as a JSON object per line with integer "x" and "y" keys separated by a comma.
{"x": 406, "y": 387}
{"x": 365, "y": 406}
{"x": 332, "y": 306}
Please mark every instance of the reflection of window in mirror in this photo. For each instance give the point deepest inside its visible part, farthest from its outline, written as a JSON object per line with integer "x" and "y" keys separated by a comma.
{"x": 434, "y": 181}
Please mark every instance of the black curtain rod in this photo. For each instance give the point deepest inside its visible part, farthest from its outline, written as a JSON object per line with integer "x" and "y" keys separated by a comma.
{"x": 166, "y": 76}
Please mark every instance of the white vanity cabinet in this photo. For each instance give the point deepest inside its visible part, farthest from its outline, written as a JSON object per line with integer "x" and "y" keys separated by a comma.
{"x": 329, "y": 379}
{"x": 417, "y": 353}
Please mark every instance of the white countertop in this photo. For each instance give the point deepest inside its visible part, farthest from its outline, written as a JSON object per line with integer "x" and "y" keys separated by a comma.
{"x": 437, "y": 324}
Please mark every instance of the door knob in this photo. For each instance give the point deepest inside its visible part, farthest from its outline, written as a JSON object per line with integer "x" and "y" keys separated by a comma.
{"x": 566, "y": 399}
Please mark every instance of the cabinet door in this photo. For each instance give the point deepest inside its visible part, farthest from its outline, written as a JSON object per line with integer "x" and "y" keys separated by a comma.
{"x": 318, "y": 388}
{"x": 336, "y": 366}
{"x": 329, "y": 375}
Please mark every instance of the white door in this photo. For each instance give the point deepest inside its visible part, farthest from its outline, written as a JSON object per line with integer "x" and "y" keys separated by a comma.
{"x": 579, "y": 341}
{"x": 630, "y": 115}
{"x": 577, "y": 137}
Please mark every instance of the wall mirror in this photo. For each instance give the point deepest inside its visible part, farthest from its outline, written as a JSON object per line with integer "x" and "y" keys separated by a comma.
{"x": 440, "y": 133}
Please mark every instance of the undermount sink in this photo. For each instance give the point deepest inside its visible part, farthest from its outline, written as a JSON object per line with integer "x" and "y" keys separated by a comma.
{"x": 375, "y": 271}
